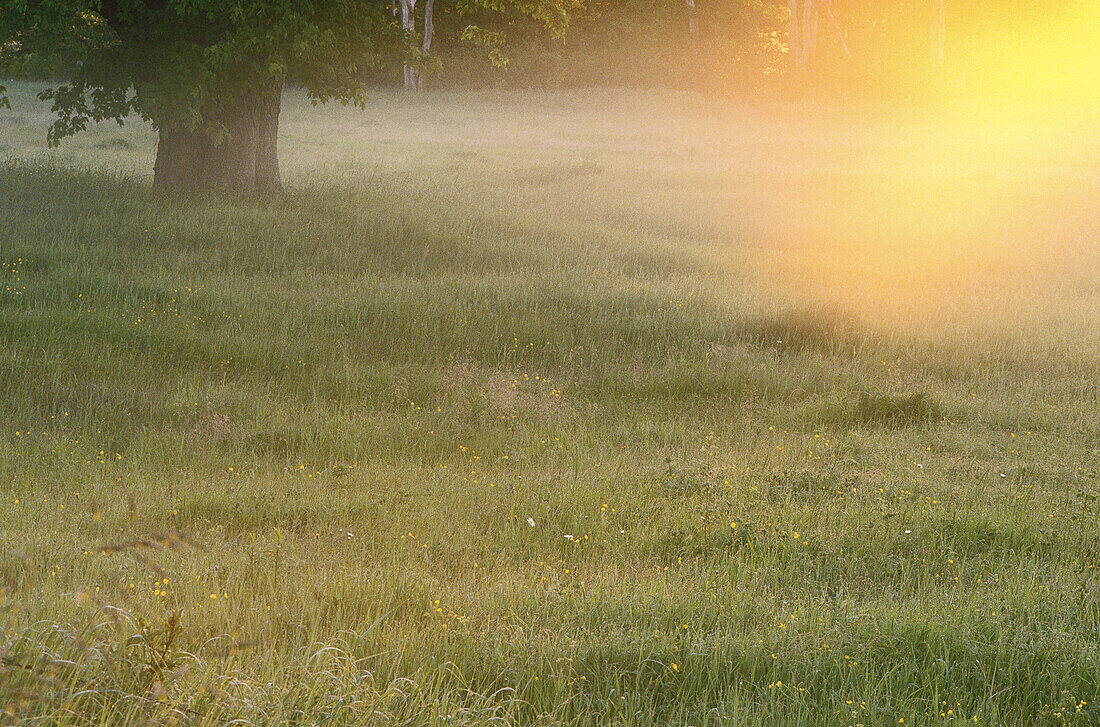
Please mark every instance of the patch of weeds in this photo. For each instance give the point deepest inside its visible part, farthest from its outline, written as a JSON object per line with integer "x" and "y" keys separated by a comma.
{"x": 114, "y": 144}
{"x": 965, "y": 537}
{"x": 686, "y": 543}
{"x": 121, "y": 666}
{"x": 680, "y": 482}
{"x": 896, "y": 410}
{"x": 822, "y": 331}
{"x": 806, "y": 486}
{"x": 273, "y": 444}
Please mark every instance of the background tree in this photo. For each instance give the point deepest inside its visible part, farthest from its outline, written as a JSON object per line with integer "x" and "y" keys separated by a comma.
{"x": 479, "y": 23}
{"x": 413, "y": 72}
{"x": 209, "y": 74}
{"x": 711, "y": 46}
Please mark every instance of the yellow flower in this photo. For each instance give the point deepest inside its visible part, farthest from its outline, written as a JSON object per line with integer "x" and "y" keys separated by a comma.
{"x": 675, "y": 667}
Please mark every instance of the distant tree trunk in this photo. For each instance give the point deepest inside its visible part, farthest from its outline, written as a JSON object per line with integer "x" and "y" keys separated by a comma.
{"x": 939, "y": 33}
{"x": 802, "y": 39}
{"x": 429, "y": 26}
{"x": 235, "y": 149}
{"x": 794, "y": 35}
{"x": 426, "y": 46}
{"x": 802, "y": 34}
{"x": 810, "y": 18}
{"x": 408, "y": 24}
{"x": 693, "y": 21}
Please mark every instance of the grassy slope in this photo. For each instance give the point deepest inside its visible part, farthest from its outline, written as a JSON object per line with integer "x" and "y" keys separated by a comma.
{"x": 641, "y": 322}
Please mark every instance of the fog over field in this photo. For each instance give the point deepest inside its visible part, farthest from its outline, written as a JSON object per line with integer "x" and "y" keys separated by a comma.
{"x": 927, "y": 214}
{"x": 586, "y": 407}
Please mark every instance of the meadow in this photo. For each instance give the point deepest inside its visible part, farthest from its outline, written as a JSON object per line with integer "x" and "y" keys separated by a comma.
{"x": 566, "y": 408}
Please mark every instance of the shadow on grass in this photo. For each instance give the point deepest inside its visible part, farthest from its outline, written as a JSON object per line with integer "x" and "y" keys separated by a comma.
{"x": 822, "y": 331}
{"x": 895, "y": 410}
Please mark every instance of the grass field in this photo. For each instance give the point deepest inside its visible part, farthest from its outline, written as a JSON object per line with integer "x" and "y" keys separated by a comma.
{"x": 586, "y": 408}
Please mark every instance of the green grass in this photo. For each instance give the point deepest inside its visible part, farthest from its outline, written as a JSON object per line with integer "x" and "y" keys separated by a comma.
{"x": 275, "y": 460}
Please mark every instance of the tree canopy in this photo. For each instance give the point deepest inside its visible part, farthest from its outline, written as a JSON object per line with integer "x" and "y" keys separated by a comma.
{"x": 208, "y": 74}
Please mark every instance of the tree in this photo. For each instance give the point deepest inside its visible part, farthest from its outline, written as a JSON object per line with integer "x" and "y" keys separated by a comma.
{"x": 209, "y": 74}
{"x": 413, "y": 73}
{"x": 709, "y": 46}
{"x": 693, "y": 22}
{"x": 803, "y": 34}
{"x": 549, "y": 14}
{"x": 874, "y": 44}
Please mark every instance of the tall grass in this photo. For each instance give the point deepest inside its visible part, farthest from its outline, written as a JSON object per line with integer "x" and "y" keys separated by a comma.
{"x": 553, "y": 409}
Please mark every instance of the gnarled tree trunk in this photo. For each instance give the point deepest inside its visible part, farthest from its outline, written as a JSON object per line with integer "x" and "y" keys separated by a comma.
{"x": 236, "y": 148}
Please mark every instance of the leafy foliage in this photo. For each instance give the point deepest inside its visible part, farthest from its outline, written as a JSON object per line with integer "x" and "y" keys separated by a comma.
{"x": 176, "y": 63}
{"x": 645, "y": 43}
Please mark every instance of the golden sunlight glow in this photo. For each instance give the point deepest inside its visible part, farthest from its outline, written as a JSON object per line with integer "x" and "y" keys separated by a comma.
{"x": 1051, "y": 60}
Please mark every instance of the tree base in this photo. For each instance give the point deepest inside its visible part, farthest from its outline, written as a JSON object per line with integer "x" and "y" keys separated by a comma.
{"x": 236, "y": 149}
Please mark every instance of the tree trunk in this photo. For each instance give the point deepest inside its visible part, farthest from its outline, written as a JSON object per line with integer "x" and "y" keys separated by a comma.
{"x": 802, "y": 34}
{"x": 408, "y": 24}
{"x": 429, "y": 31}
{"x": 794, "y": 36}
{"x": 429, "y": 26}
{"x": 810, "y": 18}
{"x": 236, "y": 148}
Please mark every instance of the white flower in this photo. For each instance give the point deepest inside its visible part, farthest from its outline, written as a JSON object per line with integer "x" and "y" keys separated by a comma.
{"x": 568, "y": 537}
{"x": 531, "y": 521}
{"x": 908, "y": 531}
